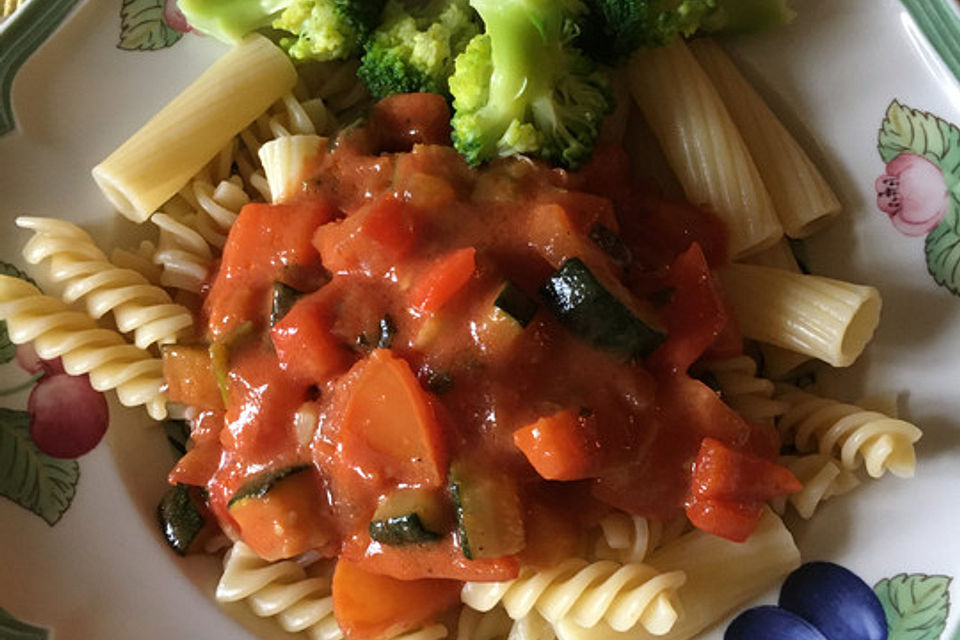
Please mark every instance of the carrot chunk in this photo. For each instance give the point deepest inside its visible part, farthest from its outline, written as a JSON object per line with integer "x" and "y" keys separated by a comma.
{"x": 389, "y": 426}
{"x": 560, "y": 446}
{"x": 305, "y": 344}
{"x": 443, "y": 280}
{"x": 369, "y": 606}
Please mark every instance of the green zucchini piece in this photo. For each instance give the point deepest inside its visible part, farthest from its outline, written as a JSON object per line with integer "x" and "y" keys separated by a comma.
{"x": 262, "y": 484}
{"x": 180, "y": 519}
{"x": 607, "y": 239}
{"x": 487, "y": 507}
{"x": 516, "y": 304}
{"x": 408, "y": 516}
{"x": 283, "y": 298}
{"x": 587, "y": 309}
{"x": 220, "y": 357}
{"x": 387, "y": 331}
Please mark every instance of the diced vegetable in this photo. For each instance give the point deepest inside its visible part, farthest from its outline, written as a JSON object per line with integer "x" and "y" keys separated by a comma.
{"x": 561, "y": 446}
{"x": 389, "y": 426}
{"x": 444, "y": 279}
{"x": 190, "y": 377}
{"x": 181, "y": 520}
{"x": 387, "y": 330}
{"x": 516, "y": 304}
{"x": 586, "y": 308}
{"x": 278, "y": 513}
{"x": 408, "y": 516}
{"x": 369, "y": 606}
{"x": 489, "y": 517}
{"x": 607, "y": 239}
{"x": 306, "y": 346}
{"x": 219, "y": 353}
{"x": 284, "y": 297}
{"x": 729, "y": 488}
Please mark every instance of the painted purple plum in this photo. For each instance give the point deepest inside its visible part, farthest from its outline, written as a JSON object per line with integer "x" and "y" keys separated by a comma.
{"x": 771, "y": 623}
{"x": 67, "y": 416}
{"x": 836, "y": 601}
{"x": 30, "y": 362}
{"x": 913, "y": 193}
{"x": 818, "y": 601}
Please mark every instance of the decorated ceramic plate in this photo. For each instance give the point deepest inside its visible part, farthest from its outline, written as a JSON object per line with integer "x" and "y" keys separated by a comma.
{"x": 870, "y": 89}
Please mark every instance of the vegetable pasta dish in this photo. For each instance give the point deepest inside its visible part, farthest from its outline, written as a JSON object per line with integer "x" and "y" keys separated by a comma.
{"x": 482, "y": 318}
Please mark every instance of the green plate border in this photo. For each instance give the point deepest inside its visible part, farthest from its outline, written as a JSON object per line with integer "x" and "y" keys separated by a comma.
{"x": 939, "y": 20}
{"x": 20, "y": 35}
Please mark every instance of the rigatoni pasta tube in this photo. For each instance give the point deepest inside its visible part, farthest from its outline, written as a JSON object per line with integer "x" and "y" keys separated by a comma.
{"x": 287, "y": 161}
{"x": 801, "y": 196}
{"x": 720, "y": 576}
{"x": 155, "y": 163}
{"x": 702, "y": 144}
{"x": 821, "y": 317}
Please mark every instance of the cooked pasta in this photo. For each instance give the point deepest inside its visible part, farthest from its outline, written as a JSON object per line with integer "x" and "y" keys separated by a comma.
{"x": 803, "y": 200}
{"x": 280, "y": 590}
{"x": 703, "y": 146}
{"x": 720, "y": 576}
{"x": 849, "y": 433}
{"x": 823, "y": 477}
{"x": 820, "y": 317}
{"x": 59, "y": 332}
{"x": 286, "y": 161}
{"x": 140, "y": 260}
{"x": 629, "y": 538}
{"x": 742, "y": 390}
{"x": 622, "y": 595}
{"x": 484, "y": 625}
{"x": 155, "y": 163}
{"x": 182, "y": 253}
{"x": 75, "y": 261}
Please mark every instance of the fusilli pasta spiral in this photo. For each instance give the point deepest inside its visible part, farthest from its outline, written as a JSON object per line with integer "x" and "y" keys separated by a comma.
{"x": 849, "y": 432}
{"x": 622, "y": 595}
{"x": 629, "y": 538}
{"x": 59, "y": 332}
{"x": 137, "y": 306}
{"x": 822, "y": 476}
{"x": 497, "y": 625}
{"x": 282, "y": 590}
{"x": 743, "y": 391}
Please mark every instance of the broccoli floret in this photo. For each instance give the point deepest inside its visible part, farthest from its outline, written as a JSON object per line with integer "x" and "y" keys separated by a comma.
{"x": 320, "y": 29}
{"x": 613, "y": 29}
{"x": 522, "y": 87}
{"x": 413, "y": 48}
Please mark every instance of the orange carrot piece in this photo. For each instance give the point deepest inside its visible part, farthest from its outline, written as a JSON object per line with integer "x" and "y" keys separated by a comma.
{"x": 389, "y": 427}
{"x": 304, "y": 341}
{"x": 560, "y": 446}
{"x": 188, "y": 373}
{"x": 369, "y": 606}
{"x": 443, "y": 280}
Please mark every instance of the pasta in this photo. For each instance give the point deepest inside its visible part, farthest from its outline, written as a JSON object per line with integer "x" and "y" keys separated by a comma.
{"x": 155, "y": 163}
{"x": 629, "y": 538}
{"x": 58, "y": 332}
{"x": 820, "y": 317}
{"x": 703, "y": 146}
{"x": 286, "y": 161}
{"x": 822, "y": 476}
{"x": 742, "y": 390}
{"x": 850, "y": 433}
{"x": 137, "y": 306}
{"x": 746, "y": 570}
{"x": 622, "y": 595}
{"x": 801, "y": 196}
{"x": 497, "y": 625}
{"x": 183, "y": 254}
{"x": 282, "y": 590}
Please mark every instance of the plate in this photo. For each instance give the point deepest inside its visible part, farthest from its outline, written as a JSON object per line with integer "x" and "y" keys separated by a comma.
{"x": 81, "y": 555}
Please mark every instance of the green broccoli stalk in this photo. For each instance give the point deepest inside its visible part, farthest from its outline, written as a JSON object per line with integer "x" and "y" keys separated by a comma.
{"x": 613, "y": 29}
{"x": 414, "y": 49}
{"x": 522, "y": 87}
{"x": 320, "y": 29}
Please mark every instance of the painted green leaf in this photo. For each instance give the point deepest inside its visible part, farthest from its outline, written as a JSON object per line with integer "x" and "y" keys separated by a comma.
{"x": 30, "y": 478}
{"x": 142, "y": 27}
{"x": 13, "y": 629}
{"x": 907, "y": 130}
{"x": 916, "y": 605}
{"x": 7, "y": 349}
{"x": 942, "y": 248}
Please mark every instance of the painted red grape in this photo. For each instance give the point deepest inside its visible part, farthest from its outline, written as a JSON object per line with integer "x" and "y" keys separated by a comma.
{"x": 67, "y": 416}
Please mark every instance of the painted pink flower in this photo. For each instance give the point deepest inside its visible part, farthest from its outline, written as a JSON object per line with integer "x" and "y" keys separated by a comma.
{"x": 913, "y": 193}
{"x": 174, "y": 17}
